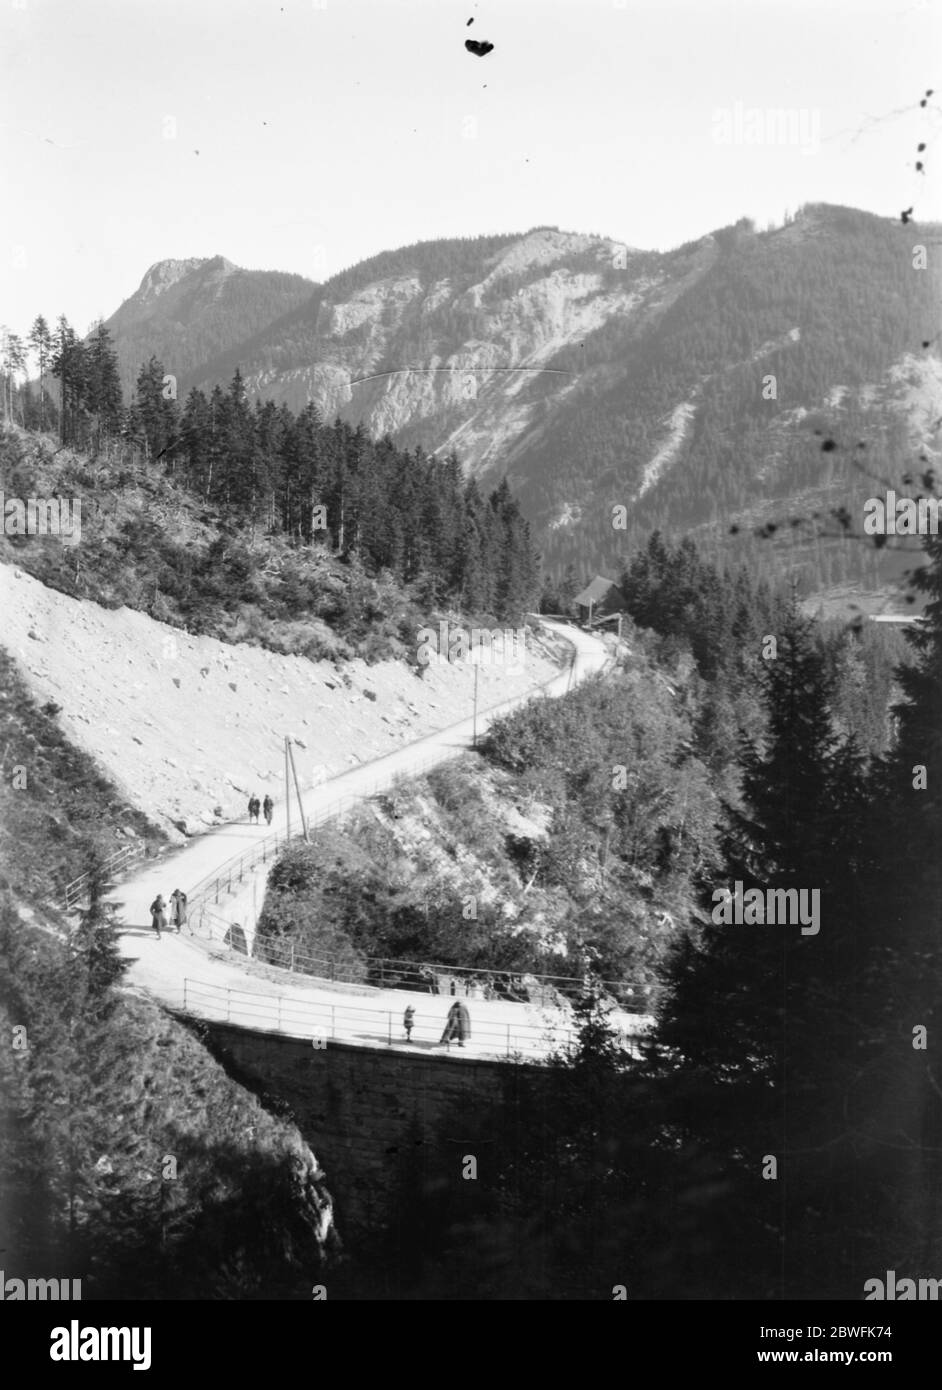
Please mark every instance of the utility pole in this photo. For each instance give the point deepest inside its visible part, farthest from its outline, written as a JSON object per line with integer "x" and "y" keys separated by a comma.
{"x": 474, "y": 736}
{"x": 287, "y": 794}
{"x": 298, "y": 791}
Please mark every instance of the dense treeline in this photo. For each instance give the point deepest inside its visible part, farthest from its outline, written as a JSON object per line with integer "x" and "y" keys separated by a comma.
{"x": 405, "y": 513}
{"x": 720, "y": 615}
{"x": 808, "y": 1048}
{"x": 401, "y": 513}
{"x": 782, "y": 1136}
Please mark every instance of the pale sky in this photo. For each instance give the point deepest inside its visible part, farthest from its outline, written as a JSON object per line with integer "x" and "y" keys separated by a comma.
{"x": 329, "y": 130}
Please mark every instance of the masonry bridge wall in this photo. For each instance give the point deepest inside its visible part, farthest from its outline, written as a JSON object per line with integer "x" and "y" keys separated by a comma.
{"x": 381, "y": 1120}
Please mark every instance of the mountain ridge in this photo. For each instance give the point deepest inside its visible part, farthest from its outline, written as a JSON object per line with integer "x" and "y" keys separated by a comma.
{"x": 590, "y": 373}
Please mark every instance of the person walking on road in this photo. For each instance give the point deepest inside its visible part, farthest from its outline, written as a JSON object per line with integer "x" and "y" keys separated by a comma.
{"x": 268, "y": 807}
{"x": 158, "y": 914}
{"x": 178, "y": 909}
{"x": 457, "y": 1025}
{"x": 408, "y": 1019}
{"x": 254, "y": 807}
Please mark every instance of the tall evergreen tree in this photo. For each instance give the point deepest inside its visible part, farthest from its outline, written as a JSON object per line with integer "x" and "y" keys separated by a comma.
{"x": 68, "y": 364}
{"x": 12, "y": 362}
{"x": 103, "y": 388}
{"x": 40, "y": 340}
{"x": 897, "y": 1058}
{"x": 154, "y": 416}
{"x": 757, "y": 1015}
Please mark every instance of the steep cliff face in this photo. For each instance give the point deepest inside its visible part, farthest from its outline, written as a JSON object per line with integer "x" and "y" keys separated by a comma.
{"x": 466, "y": 362}
{"x": 162, "y": 277}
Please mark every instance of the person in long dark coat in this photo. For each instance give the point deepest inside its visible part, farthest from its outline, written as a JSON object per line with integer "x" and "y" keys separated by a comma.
{"x": 254, "y": 807}
{"x": 268, "y": 807}
{"x": 458, "y": 1024}
{"x": 158, "y": 914}
{"x": 178, "y": 908}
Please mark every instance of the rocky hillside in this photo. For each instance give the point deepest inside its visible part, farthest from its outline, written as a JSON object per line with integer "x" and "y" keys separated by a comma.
{"x": 189, "y": 310}
{"x": 695, "y": 387}
{"x": 187, "y": 727}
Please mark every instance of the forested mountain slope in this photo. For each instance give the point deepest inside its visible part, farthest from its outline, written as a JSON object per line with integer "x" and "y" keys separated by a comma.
{"x": 693, "y": 387}
{"x": 187, "y": 311}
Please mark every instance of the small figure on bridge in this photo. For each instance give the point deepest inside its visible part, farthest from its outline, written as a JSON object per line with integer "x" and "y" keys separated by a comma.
{"x": 158, "y": 914}
{"x": 178, "y": 909}
{"x": 408, "y": 1018}
{"x": 255, "y": 807}
{"x": 458, "y": 1024}
{"x": 268, "y": 807}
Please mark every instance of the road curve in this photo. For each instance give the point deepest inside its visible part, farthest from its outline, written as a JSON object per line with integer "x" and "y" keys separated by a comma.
{"x": 178, "y": 970}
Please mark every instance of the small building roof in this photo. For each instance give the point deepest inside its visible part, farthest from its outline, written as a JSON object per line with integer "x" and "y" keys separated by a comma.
{"x": 600, "y": 588}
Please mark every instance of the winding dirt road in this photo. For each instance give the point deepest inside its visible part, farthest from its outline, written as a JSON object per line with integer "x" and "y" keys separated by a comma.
{"x": 214, "y": 983}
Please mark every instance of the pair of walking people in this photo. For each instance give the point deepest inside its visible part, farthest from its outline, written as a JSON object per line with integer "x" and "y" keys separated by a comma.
{"x": 255, "y": 806}
{"x": 177, "y": 912}
{"x": 457, "y": 1025}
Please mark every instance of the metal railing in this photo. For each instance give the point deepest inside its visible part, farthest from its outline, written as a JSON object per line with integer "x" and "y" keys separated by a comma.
{"x": 77, "y": 890}
{"x": 423, "y": 977}
{"x": 322, "y": 1022}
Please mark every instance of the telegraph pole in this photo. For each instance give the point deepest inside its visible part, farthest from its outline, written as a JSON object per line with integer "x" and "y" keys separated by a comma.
{"x": 474, "y": 736}
{"x": 298, "y": 791}
{"x": 287, "y": 794}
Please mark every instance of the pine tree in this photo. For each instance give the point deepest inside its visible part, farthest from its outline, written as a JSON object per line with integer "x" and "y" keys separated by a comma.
{"x": 194, "y": 440}
{"x": 95, "y": 958}
{"x": 759, "y": 1016}
{"x": 242, "y": 483}
{"x": 12, "y": 362}
{"x": 69, "y": 364}
{"x": 902, "y": 925}
{"x": 154, "y": 414}
{"x": 104, "y": 385}
{"x": 40, "y": 340}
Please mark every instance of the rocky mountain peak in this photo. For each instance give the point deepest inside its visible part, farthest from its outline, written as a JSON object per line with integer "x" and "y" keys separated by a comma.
{"x": 163, "y": 275}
